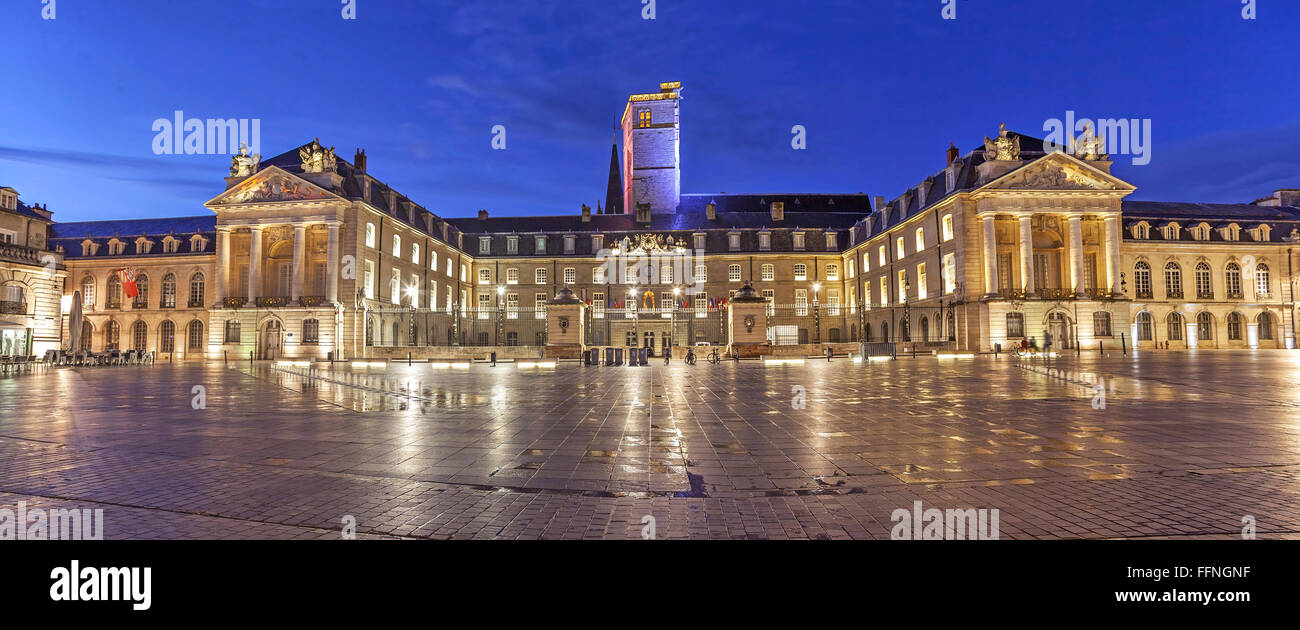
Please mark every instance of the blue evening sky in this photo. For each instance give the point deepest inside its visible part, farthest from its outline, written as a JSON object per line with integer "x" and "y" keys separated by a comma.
{"x": 881, "y": 86}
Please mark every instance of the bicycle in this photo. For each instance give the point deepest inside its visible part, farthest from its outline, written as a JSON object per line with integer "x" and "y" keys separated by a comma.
{"x": 714, "y": 358}
{"x": 690, "y": 357}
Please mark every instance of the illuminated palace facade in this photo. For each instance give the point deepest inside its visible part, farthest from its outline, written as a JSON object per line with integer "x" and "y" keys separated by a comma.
{"x": 308, "y": 255}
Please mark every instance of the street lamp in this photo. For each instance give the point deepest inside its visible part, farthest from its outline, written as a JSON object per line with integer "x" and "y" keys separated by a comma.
{"x": 672, "y": 321}
{"x": 636, "y": 315}
{"x": 817, "y": 312}
{"x": 501, "y": 313}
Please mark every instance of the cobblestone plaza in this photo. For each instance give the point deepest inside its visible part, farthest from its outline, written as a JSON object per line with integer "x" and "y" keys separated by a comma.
{"x": 1187, "y": 444}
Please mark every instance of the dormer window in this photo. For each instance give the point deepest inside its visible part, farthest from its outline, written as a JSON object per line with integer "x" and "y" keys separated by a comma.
{"x": 1201, "y": 232}
{"x": 699, "y": 238}
{"x": 798, "y": 241}
{"x": 198, "y": 243}
{"x": 539, "y": 245}
{"x": 1172, "y": 231}
{"x": 485, "y": 245}
{"x": 89, "y": 248}
{"x": 143, "y": 245}
{"x": 1261, "y": 233}
{"x": 1141, "y": 230}
{"x": 832, "y": 240}
{"x": 170, "y": 244}
{"x": 597, "y": 242}
{"x": 1230, "y": 232}
{"x": 512, "y": 244}
{"x": 733, "y": 241}
{"x": 570, "y": 242}
{"x": 764, "y": 241}
{"x": 116, "y": 247}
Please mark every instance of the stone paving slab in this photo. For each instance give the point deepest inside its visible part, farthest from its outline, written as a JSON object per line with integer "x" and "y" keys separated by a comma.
{"x": 1187, "y": 444}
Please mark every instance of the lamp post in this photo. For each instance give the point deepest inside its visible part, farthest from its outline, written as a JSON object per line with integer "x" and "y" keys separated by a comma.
{"x": 501, "y": 314}
{"x": 636, "y": 315}
{"x": 672, "y": 321}
{"x": 817, "y": 313}
{"x": 907, "y": 321}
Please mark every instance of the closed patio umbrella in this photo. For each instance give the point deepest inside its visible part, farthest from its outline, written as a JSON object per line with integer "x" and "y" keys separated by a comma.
{"x": 74, "y": 323}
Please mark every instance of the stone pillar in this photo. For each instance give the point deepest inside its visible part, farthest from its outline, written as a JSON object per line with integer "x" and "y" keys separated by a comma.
{"x": 747, "y": 323}
{"x": 990, "y": 255}
{"x": 1191, "y": 335}
{"x": 1252, "y": 334}
{"x": 1027, "y": 254}
{"x": 1112, "y": 254}
{"x": 1076, "y": 253}
{"x": 255, "y": 265}
{"x": 332, "y": 266}
{"x": 299, "y": 248}
{"x": 565, "y": 315}
{"x": 223, "y": 264}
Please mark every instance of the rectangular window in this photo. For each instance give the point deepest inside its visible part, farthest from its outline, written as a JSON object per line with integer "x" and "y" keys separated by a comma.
{"x": 433, "y": 295}
{"x": 866, "y": 296}
{"x": 484, "y": 305}
{"x": 832, "y": 302}
{"x": 512, "y": 244}
{"x": 512, "y": 276}
{"x": 884, "y": 290}
{"x": 733, "y": 273}
{"x": 570, "y": 275}
{"x": 415, "y": 253}
{"x": 899, "y": 248}
{"x": 369, "y": 280}
{"x": 414, "y": 290}
{"x": 800, "y": 272}
{"x": 485, "y": 276}
{"x": 597, "y": 242}
{"x": 1004, "y": 272}
{"x": 539, "y": 275}
{"x": 485, "y": 245}
{"x": 770, "y": 296}
{"x": 852, "y": 271}
{"x": 539, "y": 305}
{"x": 451, "y": 298}
{"x": 395, "y": 287}
{"x": 947, "y": 227}
{"x": 1090, "y": 271}
{"x": 666, "y": 303}
{"x": 922, "y": 289}
{"x": 832, "y": 271}
{"x": 801, "y": 301}
{"x": 598, "y": 305}
{"x": 598, "y": 274}
{"x": 397, "y": 246}
{"x": 433, "y": 260}
{"x": 701, "y": 273}
{"x": 920, "y": 239}
{"x": 902, "y": 286}
{"x": 769, "y": 272}
{"x": 701, "y": 306}
{"x": 880, "y": 259}
{"x": 512, "y": 306}
{"x": 949, "y": 273}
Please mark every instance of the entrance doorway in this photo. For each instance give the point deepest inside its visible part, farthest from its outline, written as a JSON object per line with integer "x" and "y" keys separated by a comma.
{"x": 272, "y": 340}
{"x": 1058, "y": 324}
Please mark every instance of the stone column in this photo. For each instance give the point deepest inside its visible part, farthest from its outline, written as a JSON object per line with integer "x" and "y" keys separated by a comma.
{"x": 1076, "y": 253}
{"x": 1112, "y": 254}
{"x": 990, "y": 255}
{"x": 1027, "y": 254}
{"x": 299, "y": 247}
{"x": 255, "y": 265}
{"x": 332, "y": 266}
{"x": 223, "y": 264}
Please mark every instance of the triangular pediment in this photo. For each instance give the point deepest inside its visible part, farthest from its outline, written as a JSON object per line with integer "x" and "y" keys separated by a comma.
{"x": 1059, "y": 171}
{"x": 272, "y": 185}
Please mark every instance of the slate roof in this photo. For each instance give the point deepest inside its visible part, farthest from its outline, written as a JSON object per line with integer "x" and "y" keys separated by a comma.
{"x": 761, "y": 203}
{"x": 71, "y": 235}
{"x": 1227, "y": 212}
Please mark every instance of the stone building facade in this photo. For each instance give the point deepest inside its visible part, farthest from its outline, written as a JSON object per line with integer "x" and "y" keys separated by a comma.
{"x": 307, "y": 255}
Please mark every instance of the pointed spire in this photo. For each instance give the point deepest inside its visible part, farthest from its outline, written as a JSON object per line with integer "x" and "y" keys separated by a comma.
{"x": 614, "y": 193}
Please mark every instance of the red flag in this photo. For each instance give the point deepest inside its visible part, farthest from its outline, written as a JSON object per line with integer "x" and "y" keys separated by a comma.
{"x": 127, "y": 276}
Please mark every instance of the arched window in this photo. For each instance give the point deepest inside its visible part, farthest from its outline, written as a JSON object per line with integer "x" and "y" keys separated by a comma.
{"x": 1204, "y": 291}
{"x": 311, "y": 331}
{"x": 1142, "y": 280}
{"x": 196, "y": 335}
{"x": 1232, "y": 280}
{"x": 1101, "y": 324}
{"x": 370, "y": 235}
{"x": 1204, "y": 326}
{"x": 86, "y": 331}
{"x": 1175, "y": 326}
{"x": 140, "y": 336}
{"x": 1144, "y": 326}
{"x": 1234, "y": 326}
{"x": 167, "y": 337}
{"x": 112, "y": 335}
{"x": 142, "y": 291}
{"x": 168, "y": 291}
{"x": 1173, "y": 281}
{"x": 1261, "y": 279}
{"x": 113, "y": 293}
{"x": 884, "y": 331}
{"x": 1265, "y": 322}
{"x": 396, "y": 332}
{"x": 232, "y": 331}
{"x": 925, "y": 329}
{"x": 196, "y": 290}
{"x": 1015, "y": 325}
{"x": 88, "y": 293}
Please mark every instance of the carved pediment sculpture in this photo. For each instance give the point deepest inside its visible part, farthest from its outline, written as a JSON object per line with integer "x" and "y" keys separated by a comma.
{"x": 316, "y": 158}
{"x": 1004, "y": 147}
{"x": 243, "y": 164}
{"x": 1054, "y": 178}
{"x": 1090, "y": 146}
{"x": 276, "y": 188}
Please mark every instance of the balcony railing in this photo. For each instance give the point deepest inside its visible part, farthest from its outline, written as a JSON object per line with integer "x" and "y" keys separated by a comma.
{"x": 112, "y": 304}
{"x": 1204, "y": 295}
{"x": 1054, "y": 294}
{"x": 1173, "y": 295}
{"x": 311, "y": 300}
{"x": 195, "y": 303}
{"x": 18, "y": 253}
{"x": 1234, "y": 295}
{"x": 234, "y": 301}
{"x": 272, "y": 301}
{"x": 139, "y": 304}
{"x": 11, "y": 307}
{"x": 1144, "y": 295}
{"x": 1098, "y": 294}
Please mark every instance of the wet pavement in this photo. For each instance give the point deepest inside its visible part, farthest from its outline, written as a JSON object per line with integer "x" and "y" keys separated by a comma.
{"x": 1187, "y": 444}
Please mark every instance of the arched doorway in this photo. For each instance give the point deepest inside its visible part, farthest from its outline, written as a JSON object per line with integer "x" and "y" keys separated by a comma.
{"x": 271, "y": 340}
{"x": 1059, "y": 326}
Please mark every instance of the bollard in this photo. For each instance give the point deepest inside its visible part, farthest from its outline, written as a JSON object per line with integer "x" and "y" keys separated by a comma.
{"x": 1123, "y": 344}
{"x": 408, "y": 359}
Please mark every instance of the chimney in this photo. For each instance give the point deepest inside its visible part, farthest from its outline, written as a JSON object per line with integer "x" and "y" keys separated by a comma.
{"x": 482, "y": 215}
{"x": 586, "y": 213}
{"x": 712, "y": 211}
{"x": 778, "y": 210}
{"x": 360, "y": 161}
{"x": 880, "y": 204}
{"x": 952, "y": 153}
